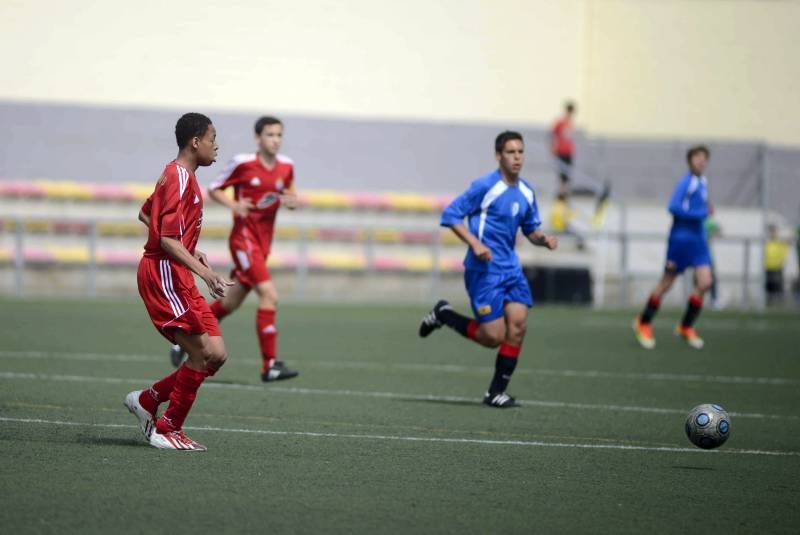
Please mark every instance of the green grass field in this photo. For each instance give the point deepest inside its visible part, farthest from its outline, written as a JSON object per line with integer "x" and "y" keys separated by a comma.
{"x": 384, "y": 432}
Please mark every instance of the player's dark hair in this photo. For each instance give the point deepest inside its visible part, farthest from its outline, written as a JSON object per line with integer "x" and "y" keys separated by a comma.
{"x": 569, "y": 106}
{"x": 266, "y": 120}
{"x": 696, "y": 150}
{"x": 189, "y": 126}
{"x": 503, "y": 138}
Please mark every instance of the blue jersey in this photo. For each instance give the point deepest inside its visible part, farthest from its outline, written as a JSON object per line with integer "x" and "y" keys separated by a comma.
{"x": 494, "y": 210}
{"x": 689, "y": 207}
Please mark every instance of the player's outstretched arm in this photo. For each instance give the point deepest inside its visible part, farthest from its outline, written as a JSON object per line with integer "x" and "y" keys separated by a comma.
{"x": 481, "y": 251}
{"x": 540, "y": 239}
{"x": 198, "y": 264}
{"x": 240, "y": 207}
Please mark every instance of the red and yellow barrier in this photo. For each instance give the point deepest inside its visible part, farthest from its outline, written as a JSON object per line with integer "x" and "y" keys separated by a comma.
{"x": 64, "y": 190}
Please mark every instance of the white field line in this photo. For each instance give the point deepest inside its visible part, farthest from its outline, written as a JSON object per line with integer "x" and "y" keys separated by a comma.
{"x": 440, "y": 440}
{"x": 425, "y": 367}
{"x": 379, "y": 395}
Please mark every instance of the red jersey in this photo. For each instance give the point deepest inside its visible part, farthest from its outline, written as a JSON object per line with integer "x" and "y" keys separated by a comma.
{"x": 252, "y": 180}
{"x": 175, "y": 209}
{"x": 563, "y": 142}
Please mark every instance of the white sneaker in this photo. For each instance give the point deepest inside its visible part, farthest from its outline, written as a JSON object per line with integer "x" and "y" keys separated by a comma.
{"x": 175, "y": 440}
{"x": 146, "y": 424}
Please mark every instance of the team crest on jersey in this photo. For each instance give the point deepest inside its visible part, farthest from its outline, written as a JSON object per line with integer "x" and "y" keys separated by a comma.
{"x": 514, "y": 209}
{"x": 279, "y": 184}
{"x": 268, "y": 200}
{"x": 255, "y": 181}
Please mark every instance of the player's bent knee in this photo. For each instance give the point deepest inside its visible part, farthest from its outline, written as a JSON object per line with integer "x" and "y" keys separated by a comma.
{"x": 494, "y": 337}
{"x": 268, "y": 301}
{"x": 215, "y": 357}
{"x": 267, "y": 295}
{"x": 517, "y": 331}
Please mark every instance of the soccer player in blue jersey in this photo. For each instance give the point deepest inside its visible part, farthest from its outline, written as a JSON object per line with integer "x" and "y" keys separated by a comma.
{"x": 495, "y": 206}
{"x": 687, "y": 248}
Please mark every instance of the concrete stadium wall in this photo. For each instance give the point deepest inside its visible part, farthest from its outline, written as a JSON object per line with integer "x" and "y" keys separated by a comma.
{"x": 679, "y": 68}
{"x": 97, "y": 144}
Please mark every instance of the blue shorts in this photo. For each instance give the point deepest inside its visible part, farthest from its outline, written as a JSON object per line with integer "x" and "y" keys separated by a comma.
{"x": 684, "y": 252}
{"x": 490, "y": 291}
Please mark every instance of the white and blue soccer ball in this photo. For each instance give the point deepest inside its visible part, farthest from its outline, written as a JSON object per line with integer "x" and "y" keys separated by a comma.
{"x": 708, "y": 426}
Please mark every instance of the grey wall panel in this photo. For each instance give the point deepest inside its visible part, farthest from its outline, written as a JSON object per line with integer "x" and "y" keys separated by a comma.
{"x": 117, "y": 145}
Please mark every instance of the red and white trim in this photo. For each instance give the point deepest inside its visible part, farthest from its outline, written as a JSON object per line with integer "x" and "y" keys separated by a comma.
{"x": 169, "y": 291}
{"x": 230, "y": 168}
{"x": 183, "y": 178}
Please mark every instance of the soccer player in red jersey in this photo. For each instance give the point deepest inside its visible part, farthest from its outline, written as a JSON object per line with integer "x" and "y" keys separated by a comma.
{"x": 261, "y": 182}
{"x": 173, "y": 214}
{"x": 562, "y": 145}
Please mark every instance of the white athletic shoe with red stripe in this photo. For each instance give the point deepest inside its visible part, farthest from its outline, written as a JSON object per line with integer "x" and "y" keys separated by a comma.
{"x": 146, "y": 423}
{"x": 174, "y": 440}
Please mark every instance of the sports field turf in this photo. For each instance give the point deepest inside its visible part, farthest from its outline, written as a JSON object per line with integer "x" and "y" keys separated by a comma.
{"x": 384, "y": 432}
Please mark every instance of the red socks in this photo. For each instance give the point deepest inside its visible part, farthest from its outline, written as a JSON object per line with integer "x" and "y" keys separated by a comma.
{"x": 151, "y": 398}
{"x": 160, "y": 392}
{"x": 509, "y": 351}
{"x": 267, "y": 337}
{"x": 187, "y": 382}
{"x": 218, "y": 310}
{"x": 650, "y": 309}
{"x": 693, "y": 308}
{"x": 472, "y": 330}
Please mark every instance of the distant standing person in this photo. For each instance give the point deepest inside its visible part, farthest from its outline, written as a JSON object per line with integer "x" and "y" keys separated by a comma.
{"x": 687, "y": 248}
{"x": 775, "y": 253}
{"x": 562, "y": 145}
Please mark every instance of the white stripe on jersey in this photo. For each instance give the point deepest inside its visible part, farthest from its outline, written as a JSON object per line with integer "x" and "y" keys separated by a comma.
{"x": 284, "y": 159}
{"x": 230, "y": 168}
{"x": 183, "y": 177}
{"x": 244, "y": 261}
{"x": 491, "y": 195}
{"x": 526, "y": 191}
{"x": 169, "y": 292}
{"x": 694, "y": 183}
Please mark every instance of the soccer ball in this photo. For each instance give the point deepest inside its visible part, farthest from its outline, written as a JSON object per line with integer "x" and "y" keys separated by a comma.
{"x": 708, "y": 426}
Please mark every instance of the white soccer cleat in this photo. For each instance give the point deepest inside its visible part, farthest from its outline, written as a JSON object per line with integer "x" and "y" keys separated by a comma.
{"x": 175, "y": 440}
{"x": 146, "y": 424}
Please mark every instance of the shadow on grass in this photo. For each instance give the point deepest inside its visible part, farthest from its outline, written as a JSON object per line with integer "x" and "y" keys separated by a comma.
{"x": 233, "y": 382}
{"x": 456, "y": 402}
{"x": 112, "y": 441}
{"x": 696, "y": 468}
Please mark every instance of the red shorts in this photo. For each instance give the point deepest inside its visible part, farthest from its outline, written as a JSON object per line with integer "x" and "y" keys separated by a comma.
{"x": 250, "y": 263}
{"x": 172, "y": 299}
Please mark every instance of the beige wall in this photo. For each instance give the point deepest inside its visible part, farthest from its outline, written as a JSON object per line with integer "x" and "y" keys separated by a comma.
{"x": 721, "y": 68}
{"x": 639, "y": 67}
{"x": 445, "y": 59}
